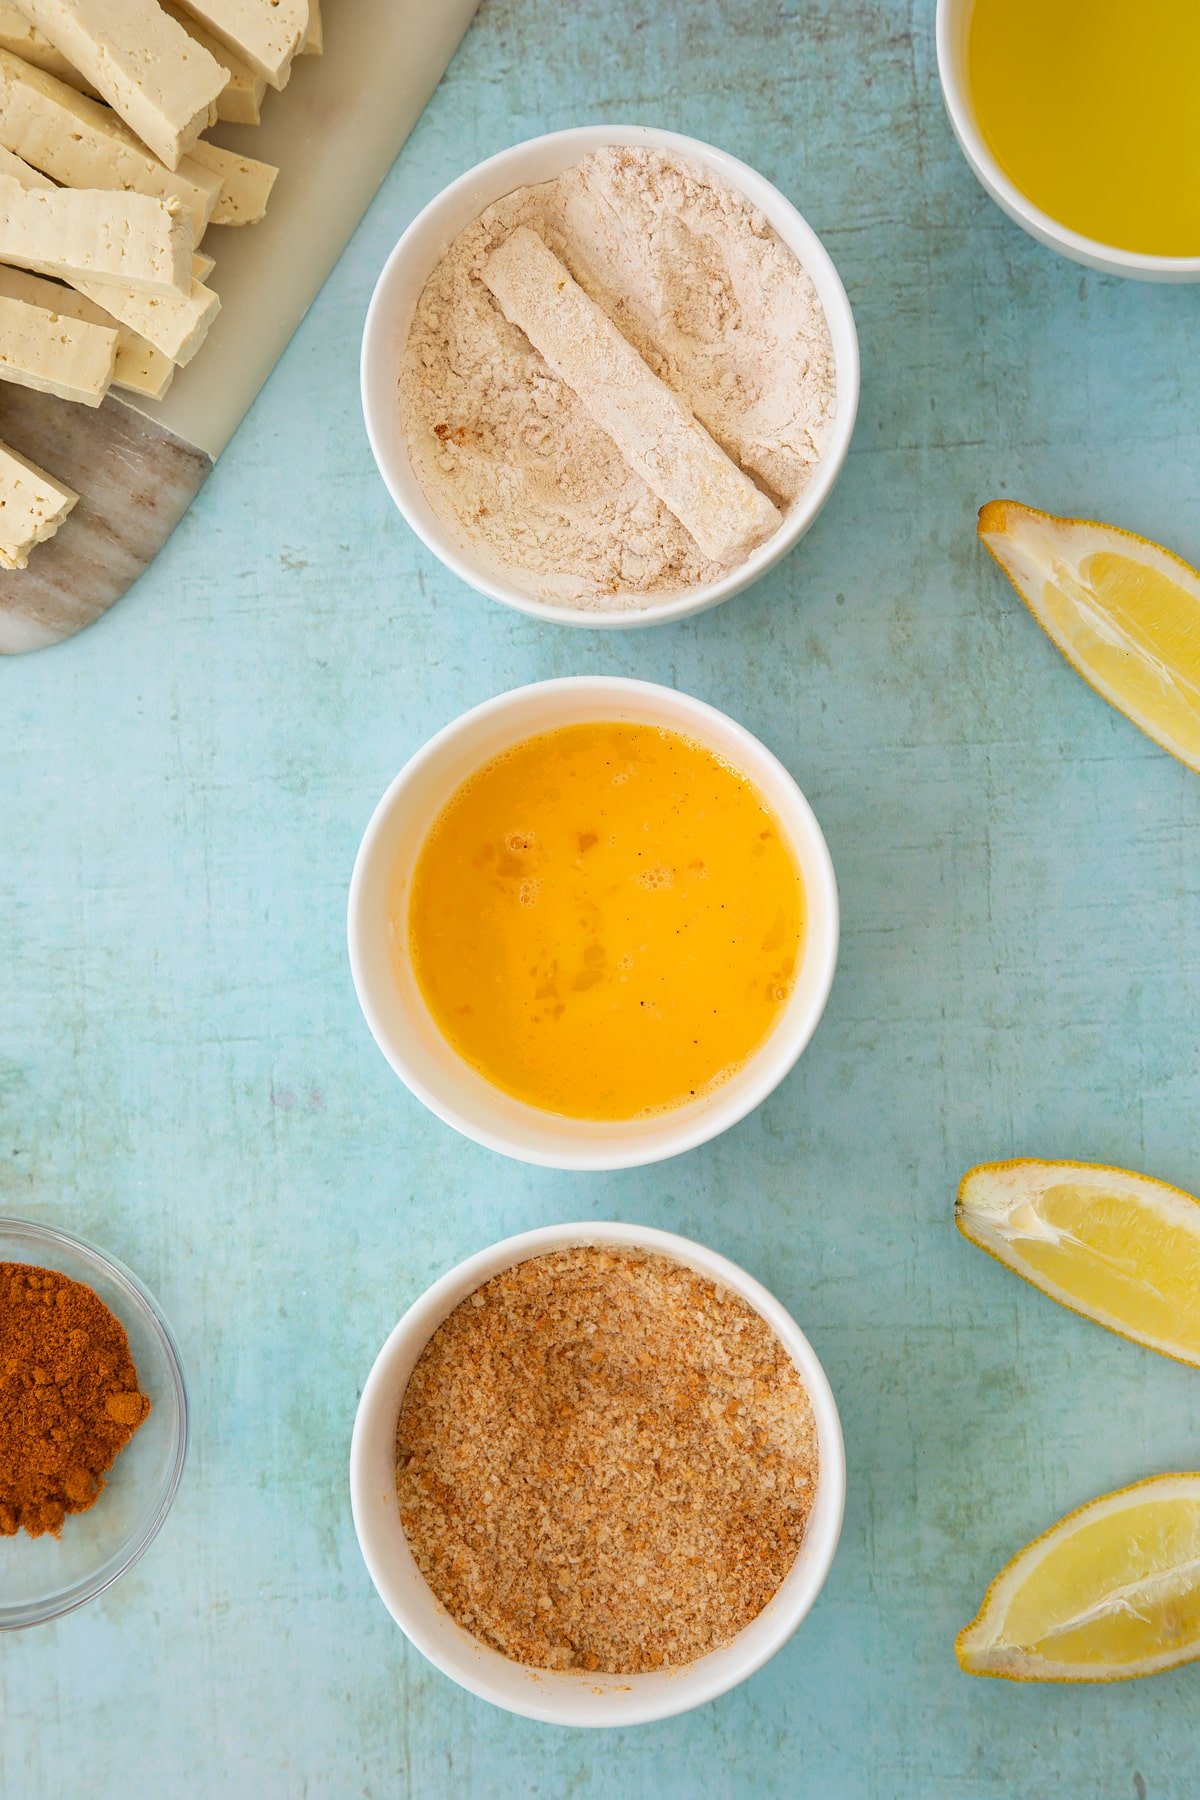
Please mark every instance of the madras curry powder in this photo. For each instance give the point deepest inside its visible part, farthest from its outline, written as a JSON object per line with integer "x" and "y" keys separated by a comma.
{"x": 69, "y": 1397}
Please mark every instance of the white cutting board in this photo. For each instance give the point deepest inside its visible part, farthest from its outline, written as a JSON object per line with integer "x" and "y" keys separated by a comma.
{"x": 334, "y": 133}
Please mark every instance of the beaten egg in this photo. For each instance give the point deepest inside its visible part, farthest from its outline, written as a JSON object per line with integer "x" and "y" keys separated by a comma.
{"x": 605, "y": 920}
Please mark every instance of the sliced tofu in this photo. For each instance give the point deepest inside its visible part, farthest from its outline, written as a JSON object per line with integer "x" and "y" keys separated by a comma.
{"x": 245, "y": 184}
{"x": 240, "y": 101}
{"x": 55, "y": 354}
{"x": 132, "y": 239}
{"x": 22, "y": 39}
{"x": 176, "y": 326}
{"x": 19, "y": 170}
{"x": 139, "y": 367}
{"x": 162, "y": 82}
{"x": 314, "y": 43}
{"x": 83, "y": 144}
{"x": 32, "y": 507}
{"x": 265, "y": 33}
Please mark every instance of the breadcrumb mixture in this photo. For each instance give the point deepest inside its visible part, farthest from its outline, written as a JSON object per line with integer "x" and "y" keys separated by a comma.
{"x": 605, "y": 1462}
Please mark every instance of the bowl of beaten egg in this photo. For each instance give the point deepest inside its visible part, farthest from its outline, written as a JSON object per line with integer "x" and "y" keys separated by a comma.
{"x": 593, "y": 923}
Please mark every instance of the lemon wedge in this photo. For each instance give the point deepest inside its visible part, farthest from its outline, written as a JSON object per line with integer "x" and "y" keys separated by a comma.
{"x": 1123, "y": 611}
{"x": 1119, "y": 1248}
{"x": 1110, "y": 1592}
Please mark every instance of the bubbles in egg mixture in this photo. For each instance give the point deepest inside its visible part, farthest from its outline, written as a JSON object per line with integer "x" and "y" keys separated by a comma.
{"x": 660, "y": 876}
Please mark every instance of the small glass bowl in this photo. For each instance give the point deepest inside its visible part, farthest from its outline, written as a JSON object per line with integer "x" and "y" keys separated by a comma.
{"x": 43, "y": 1577}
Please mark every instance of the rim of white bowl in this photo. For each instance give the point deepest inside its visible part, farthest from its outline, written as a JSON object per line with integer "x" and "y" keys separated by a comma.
{"x": 831, "y": 292}
{"x": 569, "y": 1698}
{"x": 684, "y": 1128}
{"x": 950, "y": 31}
{"x": 136, "y": 1294}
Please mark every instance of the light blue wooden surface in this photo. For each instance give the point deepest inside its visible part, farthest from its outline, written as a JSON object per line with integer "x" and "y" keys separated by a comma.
{"x": 185, "y": 1077}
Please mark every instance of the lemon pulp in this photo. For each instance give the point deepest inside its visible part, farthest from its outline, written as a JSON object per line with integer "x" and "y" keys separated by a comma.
{"x": 1124, "y": 611}
{"x": 1120, "y": 1248}
{"x": 1110, "y": 1592}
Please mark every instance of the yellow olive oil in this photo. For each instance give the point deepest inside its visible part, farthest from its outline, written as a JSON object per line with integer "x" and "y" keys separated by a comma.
{"x": 1092, "y": 109}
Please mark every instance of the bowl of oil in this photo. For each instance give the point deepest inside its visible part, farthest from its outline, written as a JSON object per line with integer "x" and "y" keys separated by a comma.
{"x": 593, "y": 923}
{"x": 1080, "y": 122}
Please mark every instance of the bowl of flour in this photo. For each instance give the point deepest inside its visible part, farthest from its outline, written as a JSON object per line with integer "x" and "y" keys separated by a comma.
{"x": 610, "y": 376}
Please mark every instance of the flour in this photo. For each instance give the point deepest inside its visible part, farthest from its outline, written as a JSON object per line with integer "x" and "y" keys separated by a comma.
{"x": 694, "y": 277}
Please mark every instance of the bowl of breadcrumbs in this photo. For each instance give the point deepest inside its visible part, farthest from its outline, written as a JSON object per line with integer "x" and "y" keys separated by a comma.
{"x": 597, "y": 1474}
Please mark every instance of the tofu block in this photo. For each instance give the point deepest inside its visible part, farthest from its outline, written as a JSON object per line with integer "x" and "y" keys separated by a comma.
{"x": 240, "y": 101}
{"x": 162, "y": 83}
{"x": 101, "y": 236}
{"x": 202, "y": 266}
{"x": 176, "y": 326}
{"x": 83, "y": 144}
{"x": 245, "y": 184}
{"x": 22, "y": 39}
{"x": 653, "y": 428}
{"x": 54, "y": 353}
{"x": 32, "y": 507}
{"x": 20, "y": 171}
{"x": 139, "y": 367}
{"x": 314, "y": 43}
{"x": 265, "y": 33}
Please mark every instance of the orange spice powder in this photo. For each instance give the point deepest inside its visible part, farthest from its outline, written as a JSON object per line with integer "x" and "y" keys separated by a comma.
{"x": 69, "y": 1397}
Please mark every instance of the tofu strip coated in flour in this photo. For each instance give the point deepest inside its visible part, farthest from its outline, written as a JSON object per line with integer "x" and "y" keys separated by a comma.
{"x": 653, "y": 428}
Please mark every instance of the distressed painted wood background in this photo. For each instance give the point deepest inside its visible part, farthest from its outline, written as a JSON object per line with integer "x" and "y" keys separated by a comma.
{"x": 185, "y": 1077}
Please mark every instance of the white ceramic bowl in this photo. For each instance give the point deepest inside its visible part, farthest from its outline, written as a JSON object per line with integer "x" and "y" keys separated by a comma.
{"x": 953, "y": 26}
{"x": 570, "y": 1698}
{"x": 428, "y": 238}
{"x": 394, "y": 1007}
